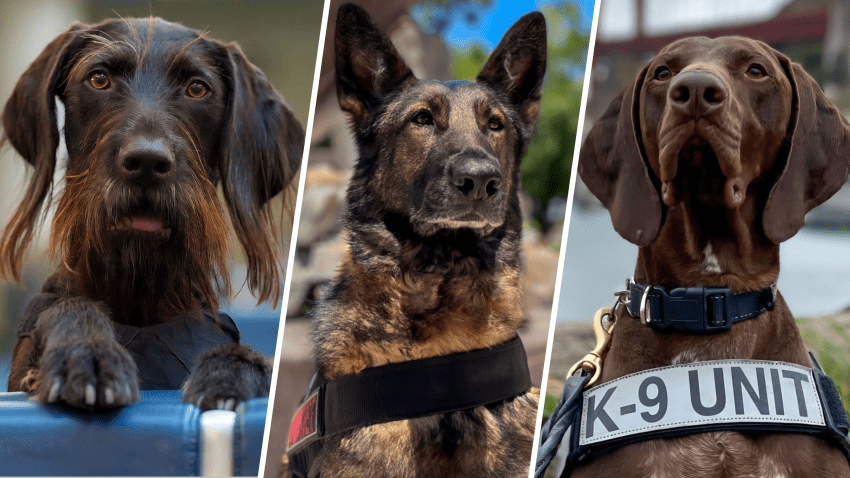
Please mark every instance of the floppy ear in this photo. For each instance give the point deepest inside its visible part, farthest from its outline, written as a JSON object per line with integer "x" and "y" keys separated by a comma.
{"x": 260, "y": 153}
{"x": 818, "y": 161}
{"x": 612, "y": 166}
{"x": 29, "y": 123}
{"x": 367, "y": 65}
{"x": 517, "y": 67}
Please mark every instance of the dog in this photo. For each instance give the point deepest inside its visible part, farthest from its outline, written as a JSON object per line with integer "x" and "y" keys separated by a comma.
{"x": 709, "y": 160}
{"x": 156, "y": 116}
{"x": 434, "y": 227}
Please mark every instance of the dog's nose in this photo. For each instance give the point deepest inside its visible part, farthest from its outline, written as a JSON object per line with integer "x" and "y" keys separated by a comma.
{"x": 146, "y": 161}
{"x": 697, "y": 93}
{"x": 477, "y": 178}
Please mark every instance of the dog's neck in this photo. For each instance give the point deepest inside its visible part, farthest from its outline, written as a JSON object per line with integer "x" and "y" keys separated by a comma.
{"x": 719, "y": 251}
{"x": 710, "y": 246}
{"x": 140, "y": 296}
{"x": 418, "y": 297}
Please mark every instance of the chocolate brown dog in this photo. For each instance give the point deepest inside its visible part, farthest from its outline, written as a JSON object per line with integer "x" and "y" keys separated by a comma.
{"x": 157, "y": 116}
{"x": 708, "y": 161}
{"x": 434, "y": 230}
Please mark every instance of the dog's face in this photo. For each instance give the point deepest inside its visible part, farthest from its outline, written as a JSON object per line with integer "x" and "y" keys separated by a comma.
{"x": 714, "y": 124}
{"x": 713, "y": 113}
{"x": 444, "y": 155}
{"x": 156, "y": 116}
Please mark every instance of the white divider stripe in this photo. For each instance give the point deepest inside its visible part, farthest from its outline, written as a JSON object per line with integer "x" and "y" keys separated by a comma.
{"x": 217, "y": 430}
{"x": 703, "y": 393}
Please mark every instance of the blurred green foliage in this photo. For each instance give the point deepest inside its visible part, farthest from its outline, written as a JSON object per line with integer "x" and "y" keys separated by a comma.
{"x": 832, "y": 354}
{"x": 547, "y": 163}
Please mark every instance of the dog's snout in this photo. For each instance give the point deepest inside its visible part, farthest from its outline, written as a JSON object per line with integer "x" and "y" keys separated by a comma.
{"x": 477, "y": 178}
{"x": 697, "y": 93}
{"x": 146, "y": 161}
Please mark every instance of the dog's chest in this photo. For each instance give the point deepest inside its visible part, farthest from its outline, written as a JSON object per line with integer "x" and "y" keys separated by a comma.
{"x": 489, "y": 441}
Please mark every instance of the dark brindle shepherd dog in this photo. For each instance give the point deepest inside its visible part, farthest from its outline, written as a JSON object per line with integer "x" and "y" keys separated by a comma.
{"x": 434, "y": 231}
{"x": 157, "y": 115}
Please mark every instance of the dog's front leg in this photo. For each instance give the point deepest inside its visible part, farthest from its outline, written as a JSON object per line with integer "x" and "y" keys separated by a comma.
{"x": 226, "y": 375}
{"x": 81, "y": 363}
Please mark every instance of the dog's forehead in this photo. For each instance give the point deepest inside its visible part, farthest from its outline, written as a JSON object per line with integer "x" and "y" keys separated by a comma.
{"x": 722, "y": 50}
{"x": 460, "y": 94}
{"x": 144, "y": 37}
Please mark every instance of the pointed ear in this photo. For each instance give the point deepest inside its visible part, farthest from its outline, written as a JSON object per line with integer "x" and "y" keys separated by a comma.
{"x": 818, "y": 160}
{"x": 517, "y": 66}
{"x": 29, "y": 123}
{"x": 611, "y": 164}
{"x": 367, "y": 65}
{"x": 260, "y": 153}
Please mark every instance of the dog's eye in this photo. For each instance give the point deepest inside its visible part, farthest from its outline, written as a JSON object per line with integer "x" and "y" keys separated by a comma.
{"x": 755, "y": 72}
{"x": 423, "y": 117}
{"x": 99, "y": 80}
{"x": 197, "y": 89}
{"x": 663, "y": 74}
{"x": 495, "y": 124}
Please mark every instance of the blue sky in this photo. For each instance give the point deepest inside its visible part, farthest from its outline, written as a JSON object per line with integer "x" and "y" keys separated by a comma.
{"x": 495, "y": 19}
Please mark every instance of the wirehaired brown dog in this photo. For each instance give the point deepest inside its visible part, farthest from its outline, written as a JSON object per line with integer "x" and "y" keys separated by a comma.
{"x": 708, "y": 161}
{"x": 156, "y": 116}
{"x": 434, "y": 230}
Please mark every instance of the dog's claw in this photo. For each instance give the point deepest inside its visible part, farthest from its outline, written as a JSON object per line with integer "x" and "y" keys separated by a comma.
{"x": 219, "y": 404}
{"x": 91, "y": 395}
{"x": 108, "y": 396}
{"x": 54, "y": 391}
{"x": 230, "y": 404}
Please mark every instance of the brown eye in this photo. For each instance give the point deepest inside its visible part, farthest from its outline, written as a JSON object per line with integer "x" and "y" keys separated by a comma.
{"x": 494, "y": 124}
{"x": 197, "y": 89}
{"x": 755, "y": 72}
{"x": 423, "y": 118}
{"x": 663, "y": 74}
{"x": 99, "y": 80}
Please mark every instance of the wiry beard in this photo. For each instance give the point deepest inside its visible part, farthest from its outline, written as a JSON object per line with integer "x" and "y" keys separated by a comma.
{"x": 144, "y": 277}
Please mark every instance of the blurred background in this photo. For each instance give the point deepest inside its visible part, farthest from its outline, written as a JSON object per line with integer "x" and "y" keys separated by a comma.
{"x": 441, "y": 40}
{"x": 281, "y": 38}
{"x": 815, "y": 264}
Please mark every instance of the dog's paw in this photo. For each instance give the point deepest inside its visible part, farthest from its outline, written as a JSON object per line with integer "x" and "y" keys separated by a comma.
{"x": 226, "y": 375}
{"x": 88, "y": 374}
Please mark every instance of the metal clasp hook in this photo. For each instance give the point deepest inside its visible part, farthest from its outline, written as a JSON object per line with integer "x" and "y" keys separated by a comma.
{"x": 592, "y": 362}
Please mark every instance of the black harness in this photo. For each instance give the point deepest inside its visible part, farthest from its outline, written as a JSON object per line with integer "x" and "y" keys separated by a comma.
{"x": 402, "y": 391}
{"x": 696, "y": 310}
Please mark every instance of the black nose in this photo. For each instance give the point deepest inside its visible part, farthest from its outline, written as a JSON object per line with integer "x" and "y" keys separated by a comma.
{"x": 146, "y": 161}
{"x": 697, "y": 92}
{"x": 477, "y": 178}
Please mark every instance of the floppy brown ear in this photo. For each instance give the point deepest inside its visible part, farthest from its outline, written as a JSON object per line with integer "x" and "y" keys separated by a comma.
{"x": 260, "y": 153}
{"x": 611, "y": 164}
{"x": 29, "y": 123}
{"x": 517, "y": 67}
{"x": 818, "y": 161}
{"x": 367, "y": 65}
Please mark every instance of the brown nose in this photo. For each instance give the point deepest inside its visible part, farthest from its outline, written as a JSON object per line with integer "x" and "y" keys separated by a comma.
{"x": 697, "y": 93}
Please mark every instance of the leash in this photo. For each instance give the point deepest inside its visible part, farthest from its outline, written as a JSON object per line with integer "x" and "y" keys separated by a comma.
{"x": 751, "y": 396}
{"x": 402, "y": 391}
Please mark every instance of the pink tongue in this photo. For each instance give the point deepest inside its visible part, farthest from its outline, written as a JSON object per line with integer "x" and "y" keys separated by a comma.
{"x": 147, "y": 225}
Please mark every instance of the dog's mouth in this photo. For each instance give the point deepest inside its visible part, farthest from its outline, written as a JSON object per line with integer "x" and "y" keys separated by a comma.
{"x": 704, "y": 167}
{"x": 142, "y": 224}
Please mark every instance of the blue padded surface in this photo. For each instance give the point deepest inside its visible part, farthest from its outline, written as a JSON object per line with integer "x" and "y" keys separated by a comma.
{"x": 157, "y": 436}
{"x": 248, "y": 436}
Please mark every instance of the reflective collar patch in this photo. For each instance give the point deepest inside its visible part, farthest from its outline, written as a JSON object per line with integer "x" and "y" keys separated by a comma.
{"x": 702, "y": 393}
{"x": 304, "y": 427}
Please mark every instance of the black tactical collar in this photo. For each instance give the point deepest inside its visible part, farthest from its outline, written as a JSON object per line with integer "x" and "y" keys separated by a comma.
{"x": 402, "y": 391}
{"x": 696, "y": 310}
